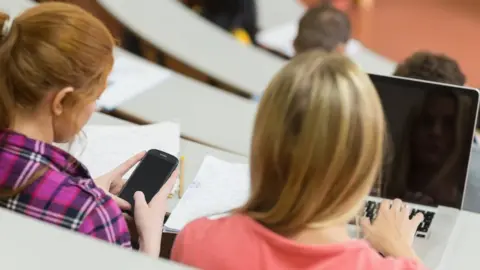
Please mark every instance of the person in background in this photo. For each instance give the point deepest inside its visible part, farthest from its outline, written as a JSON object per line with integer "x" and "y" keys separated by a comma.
{"x": 433, "y": 67}
{"x": 340, "y": 4}
{"x": 428, "y": 66}
{"x": 317, "y": 150}
{"x": 323, "y": 27}
{"x": 236, "y": 16}
{"x": 55, "y": 59}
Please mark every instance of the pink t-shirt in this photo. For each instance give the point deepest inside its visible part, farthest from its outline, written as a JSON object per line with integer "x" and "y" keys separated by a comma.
{"x": 238, "y": 242}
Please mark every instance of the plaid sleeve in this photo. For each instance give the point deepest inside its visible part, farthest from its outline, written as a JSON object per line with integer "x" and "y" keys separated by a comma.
{"x": 105, "y": 221}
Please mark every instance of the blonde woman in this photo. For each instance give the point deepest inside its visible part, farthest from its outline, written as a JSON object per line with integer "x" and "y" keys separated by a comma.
{"x": 317, "y": 150}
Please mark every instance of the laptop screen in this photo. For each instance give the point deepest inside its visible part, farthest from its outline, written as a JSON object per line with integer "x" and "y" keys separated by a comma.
{"x": 431, "y": 129}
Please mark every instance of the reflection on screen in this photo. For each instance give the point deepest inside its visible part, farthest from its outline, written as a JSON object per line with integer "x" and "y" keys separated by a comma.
{"x": 148, "y": 177}
{"x": 431, "y": 135}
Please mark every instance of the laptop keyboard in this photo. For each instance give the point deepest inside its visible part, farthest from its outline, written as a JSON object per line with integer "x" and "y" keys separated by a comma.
{"x": 371, "y": 209}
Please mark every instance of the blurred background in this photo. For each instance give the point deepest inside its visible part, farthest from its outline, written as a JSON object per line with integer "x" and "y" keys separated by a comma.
{"x": 392, "y": 28}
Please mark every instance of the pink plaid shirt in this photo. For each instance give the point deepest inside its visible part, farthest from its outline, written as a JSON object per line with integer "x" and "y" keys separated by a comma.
{"x": 62, "y": 194}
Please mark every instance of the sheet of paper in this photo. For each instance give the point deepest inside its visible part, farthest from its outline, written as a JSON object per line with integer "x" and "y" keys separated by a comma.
{"x": 101, "y": 148}
{"x": 130, "y": 77}
{"x": 104, "y": 147}
{"x": 219, "y": 187}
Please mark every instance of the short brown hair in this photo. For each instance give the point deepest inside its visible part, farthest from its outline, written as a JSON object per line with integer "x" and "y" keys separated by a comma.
{"x": 323, "y": 27}
{"x": 433, "y": 67}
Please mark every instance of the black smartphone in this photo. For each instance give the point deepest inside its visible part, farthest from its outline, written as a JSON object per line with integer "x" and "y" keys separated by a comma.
{"x": 151, "y": 174}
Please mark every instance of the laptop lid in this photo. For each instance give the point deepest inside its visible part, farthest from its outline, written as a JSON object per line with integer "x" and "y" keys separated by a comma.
{"x": 431, "y": 129}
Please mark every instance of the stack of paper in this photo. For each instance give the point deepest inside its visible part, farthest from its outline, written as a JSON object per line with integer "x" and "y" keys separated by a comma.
{"x": 130, "y": 77}
{"x": 104, "y": 147}
{"x": 219, "y": 187}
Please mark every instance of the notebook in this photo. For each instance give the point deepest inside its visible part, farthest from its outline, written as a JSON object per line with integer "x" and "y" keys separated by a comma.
{"x": 101, "y": 148}
{"x": 219, "y": 187}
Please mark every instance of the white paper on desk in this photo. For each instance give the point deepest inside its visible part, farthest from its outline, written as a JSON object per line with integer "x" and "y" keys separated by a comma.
{"x": 219, "y": 187}
{"x": 105, "y": 147}
{"x": 129, "y": 78}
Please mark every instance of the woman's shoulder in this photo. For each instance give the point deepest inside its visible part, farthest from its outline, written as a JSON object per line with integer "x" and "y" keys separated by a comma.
{"x": 399, "y": 264}
{"x": 212, "y": 231}
{"x": 216, "y": 224}
{"x": 211, "y": 240}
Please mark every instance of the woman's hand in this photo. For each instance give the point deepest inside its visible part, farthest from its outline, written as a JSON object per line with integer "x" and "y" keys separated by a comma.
{"x": 149, "y": 217}
{"x": 113, "y": 182}
{"x": 392, "y": 232}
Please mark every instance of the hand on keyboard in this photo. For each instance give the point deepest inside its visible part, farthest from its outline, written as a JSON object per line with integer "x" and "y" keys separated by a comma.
{"x": 392, "y": 232}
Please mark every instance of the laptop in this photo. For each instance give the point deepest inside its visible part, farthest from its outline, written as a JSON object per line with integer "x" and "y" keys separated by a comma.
{"x": 431, "y": 128}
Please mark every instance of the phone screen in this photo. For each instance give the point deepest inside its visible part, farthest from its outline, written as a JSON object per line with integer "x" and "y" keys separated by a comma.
{"x": 150, "y": 175}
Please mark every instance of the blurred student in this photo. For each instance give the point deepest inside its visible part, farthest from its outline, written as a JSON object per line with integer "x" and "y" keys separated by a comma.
{"x": 238, "y": 17}
{"x": 433, "y": 67}
{"x": 317, "y": 149}
{"x": 340, "y": 4}
{"x": 54, "y": 62}
{"x": 323, "y": 27}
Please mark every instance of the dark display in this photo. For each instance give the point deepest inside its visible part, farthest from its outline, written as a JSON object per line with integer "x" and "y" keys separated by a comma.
{"x": 431, "y": 131}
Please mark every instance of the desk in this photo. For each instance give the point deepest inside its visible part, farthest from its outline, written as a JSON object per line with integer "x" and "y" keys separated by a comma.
{"x": 462, "y": 251}
{"x": 193, "y": 152}
{"x": 28, "y": 243}
{"x": 206, "y": 114}
{"x": 178, "y": 31}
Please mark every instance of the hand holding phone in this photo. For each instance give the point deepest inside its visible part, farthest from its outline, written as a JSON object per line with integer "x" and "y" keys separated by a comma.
{"x": 149, "y": 218}
{"x": 147, "y": 191}
{"x": 112, "y": 182}
{"x": 154, "y": 170}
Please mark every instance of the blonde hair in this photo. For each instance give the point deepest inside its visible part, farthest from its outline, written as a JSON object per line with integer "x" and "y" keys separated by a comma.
{"x": 317, "y": 144}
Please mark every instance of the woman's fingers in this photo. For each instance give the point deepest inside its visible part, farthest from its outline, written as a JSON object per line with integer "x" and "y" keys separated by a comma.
{"x": 385, "y": 205}
{"x": 397, "y": 205}
{"x": 140, "y": 201}
{"x": 123, "y": 168}
{"x": 417, "y": 219}
{"x": 124, "y": 205}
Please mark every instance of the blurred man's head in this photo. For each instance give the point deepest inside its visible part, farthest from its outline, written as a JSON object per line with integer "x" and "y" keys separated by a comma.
{"x": 311, "y": 3}
{"x": 323, "y": 27}
{"x": 431, "y": 67}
